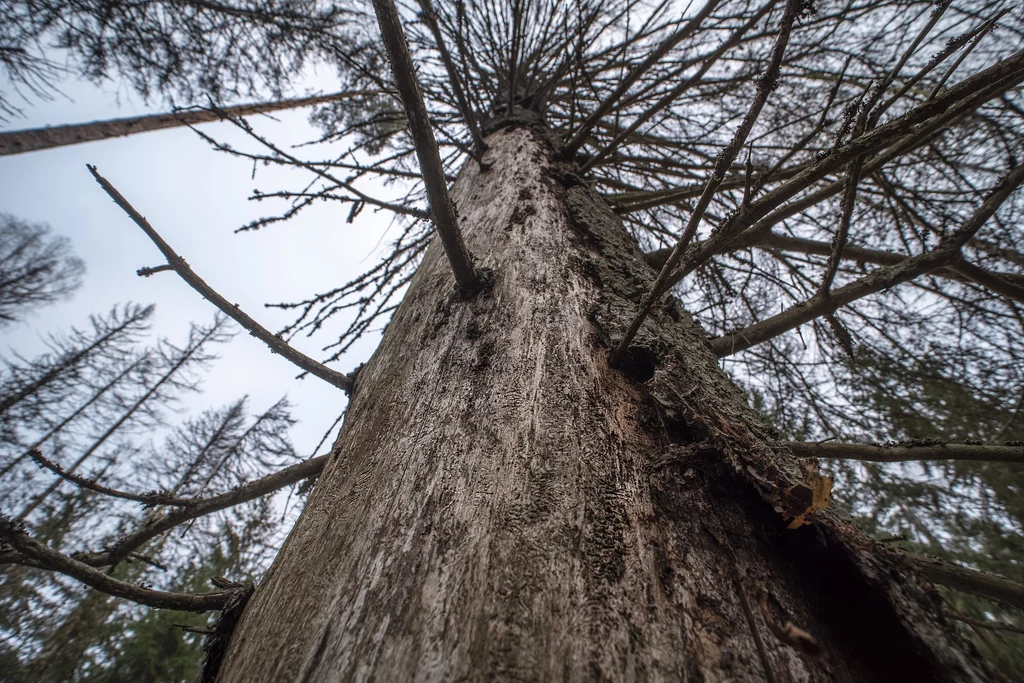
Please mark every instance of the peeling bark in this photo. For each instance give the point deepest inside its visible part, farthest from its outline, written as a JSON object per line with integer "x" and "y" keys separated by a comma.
{"x": 503, "y": 505}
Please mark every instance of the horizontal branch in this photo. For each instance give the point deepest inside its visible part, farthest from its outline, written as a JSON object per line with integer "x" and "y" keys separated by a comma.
{"x": 21, "y": 141}
{"x": 972, "y": 581}
{"x": 276, "y": 344}
{"x": 199, "y": 507}
{"x": 906, "y": 453}
{"x": 44, "y": 557}
{"x": 1010, "y": 285}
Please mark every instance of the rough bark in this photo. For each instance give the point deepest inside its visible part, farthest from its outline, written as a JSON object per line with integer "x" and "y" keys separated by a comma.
{"x": 503, "y": 505}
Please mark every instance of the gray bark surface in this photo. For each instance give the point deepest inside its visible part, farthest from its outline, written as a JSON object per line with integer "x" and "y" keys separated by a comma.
{"x": 502, "y": 505}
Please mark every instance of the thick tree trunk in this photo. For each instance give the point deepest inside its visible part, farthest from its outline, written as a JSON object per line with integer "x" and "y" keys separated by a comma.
{"x": 503, "y": 505}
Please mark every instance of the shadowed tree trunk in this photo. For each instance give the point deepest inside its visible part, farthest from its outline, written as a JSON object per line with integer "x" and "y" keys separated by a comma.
{"x": 503, "y": 505}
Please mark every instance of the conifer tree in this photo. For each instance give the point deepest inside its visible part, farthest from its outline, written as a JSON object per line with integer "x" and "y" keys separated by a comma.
{"x": 644, "y": 215}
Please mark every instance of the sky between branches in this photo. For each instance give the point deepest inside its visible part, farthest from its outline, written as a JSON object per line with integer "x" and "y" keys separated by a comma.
{"x": 196, "y": 198}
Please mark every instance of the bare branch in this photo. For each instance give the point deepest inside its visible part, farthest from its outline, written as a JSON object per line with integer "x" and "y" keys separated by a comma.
{"x": 42, "y": 556}
{"x": 905, "y": 452}
{"x": 971, "y": 581}
{"x": 277, "y": 345}
{"x": 441, "y": 208}
{"x": 21, "y": 141}
{"x": 199, "y": 507}
{"x": 947, "y": 253}
{"x": 156, "y": 498}
{"x": 765, "y": 86}
{"x": 430, "y": 18}
{"x": 580, "y": 137}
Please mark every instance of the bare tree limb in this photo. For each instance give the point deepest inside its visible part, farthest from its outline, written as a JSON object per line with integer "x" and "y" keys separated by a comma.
{"x": 156, "y": 498}
{"x": 199, "y": 507}
{"x": 1010, "y": 285}
{"x": 906, "y": 453}
{"x": 44, "y": 557}
{"x": 960, "y": 99}
{"x": 580, "y": 137}
{"x": 971, "y": 581}
{"x": 441, "y": 208}
{"x": 430, "y": 18}
{"x": 765, "y": 86}
{"x": 947, "y": 253}
{"x": 277, "y": 345}
{"x": 21, "y": 141}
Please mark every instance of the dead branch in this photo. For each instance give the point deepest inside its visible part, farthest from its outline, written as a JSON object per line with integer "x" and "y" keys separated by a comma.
{"x": 21, "y": 141}
{"x": 765, "y": 86}
{"x": 44, "y": 557}
{"x": 277, "y": 345}
{"x": 441, "y": 208}
{"x": 906, "y": 453}
{"x": 971, "y": 581}
{"x": 199, "y": 507}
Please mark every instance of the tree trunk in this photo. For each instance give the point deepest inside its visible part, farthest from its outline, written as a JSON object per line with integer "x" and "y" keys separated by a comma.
{"x": 503, "y": 505}
{"x": 34, "y": 139}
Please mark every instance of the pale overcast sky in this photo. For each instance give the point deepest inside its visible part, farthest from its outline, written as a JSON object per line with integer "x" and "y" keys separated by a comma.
{"x": 195, "y": 198}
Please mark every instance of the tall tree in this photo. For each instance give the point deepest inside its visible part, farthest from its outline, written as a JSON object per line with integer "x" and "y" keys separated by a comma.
{"x": 545, "y": 472}
{"x": 36, "y": 268}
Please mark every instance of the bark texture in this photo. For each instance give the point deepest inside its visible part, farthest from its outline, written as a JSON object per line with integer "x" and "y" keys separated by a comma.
{"x": 503, "y": 505}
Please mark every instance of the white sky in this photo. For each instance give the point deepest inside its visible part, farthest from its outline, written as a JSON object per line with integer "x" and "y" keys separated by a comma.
{"x": 195, "y": 198}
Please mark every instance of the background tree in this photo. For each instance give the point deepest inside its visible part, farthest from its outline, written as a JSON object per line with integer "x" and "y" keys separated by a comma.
{"x": 35, "y": 269}
{"x": 194, "y": 50}
{"x": 551, "y": 458}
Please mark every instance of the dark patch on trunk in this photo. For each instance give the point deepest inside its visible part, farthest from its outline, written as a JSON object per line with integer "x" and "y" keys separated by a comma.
{"x": 639, "y": 364}
{"x": 216, "y": 644}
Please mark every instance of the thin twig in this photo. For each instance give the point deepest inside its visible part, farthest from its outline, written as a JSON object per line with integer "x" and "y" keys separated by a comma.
{"x": 907, "y": 453}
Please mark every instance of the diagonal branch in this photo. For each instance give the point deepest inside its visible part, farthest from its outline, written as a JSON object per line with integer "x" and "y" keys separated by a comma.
{"x": 971, "y": 581}
{"x": 441, "y": 208}
{"x": 962, "y": 98}
{"x": 765, "y": 86}
{"x": 906, "y": 453}
{"x": 156, "y": 498}
{"x": 277, "y": 345}
{"x": 430, "y": 18}
{"x": 633, "y": 76}
{"x": 199, "y": 507}
{"x": 947, "y": 253}
{"x": 42, "y": 556}
{"x": 21, "y": 141}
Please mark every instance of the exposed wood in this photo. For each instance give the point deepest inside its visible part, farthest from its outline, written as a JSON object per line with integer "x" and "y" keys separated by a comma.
{"x": 503, "y": 505}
